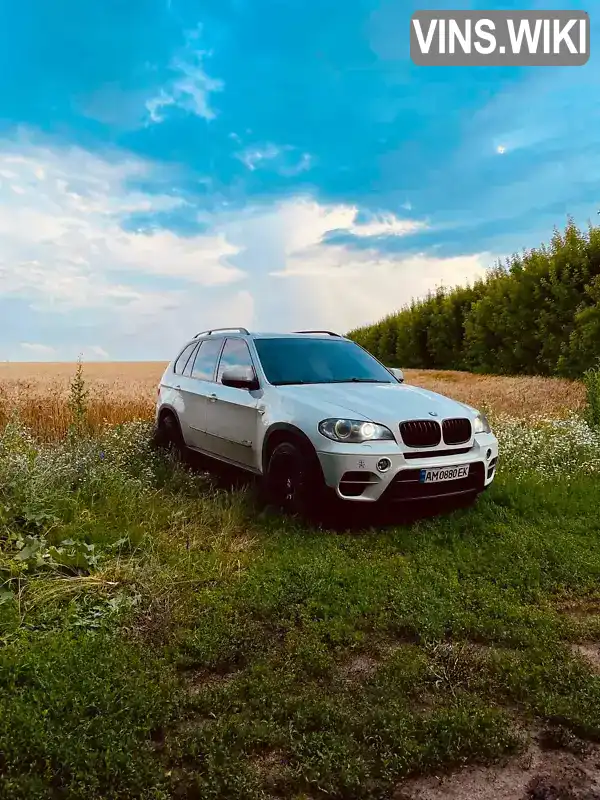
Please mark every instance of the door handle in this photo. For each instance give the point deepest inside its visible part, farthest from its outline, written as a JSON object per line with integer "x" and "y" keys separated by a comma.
{"x": 261, "y": 410}
{"x": 178, "y": 386}
{"x": 212, "y": 397}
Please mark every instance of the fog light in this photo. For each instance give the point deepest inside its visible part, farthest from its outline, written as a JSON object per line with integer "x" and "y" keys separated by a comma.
{"x": 488, "y": 455}
{"x": 384, "y": 464}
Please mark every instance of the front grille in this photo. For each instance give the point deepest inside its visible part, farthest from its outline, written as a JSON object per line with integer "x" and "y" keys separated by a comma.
{"x": 420, "y": 433}
{"x": 456, "y": 431}
{"x": 456, "y": 451}
{"x": 406, "y": 485}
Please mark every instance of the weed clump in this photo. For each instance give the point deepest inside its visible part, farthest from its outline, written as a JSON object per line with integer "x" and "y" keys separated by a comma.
{"x": 78, "y": 402}
{"x": 592, "y": 387}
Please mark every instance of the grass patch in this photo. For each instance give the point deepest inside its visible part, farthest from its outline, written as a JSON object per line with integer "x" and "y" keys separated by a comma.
{"x": 160, "y": 637}
{"x": 77, "y": 714}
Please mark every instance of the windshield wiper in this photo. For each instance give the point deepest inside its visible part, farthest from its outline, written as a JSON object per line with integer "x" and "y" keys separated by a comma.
{"x": 359, "y": 380}
{"x": 292, "y": 383}
{"x": 334, "y": 380}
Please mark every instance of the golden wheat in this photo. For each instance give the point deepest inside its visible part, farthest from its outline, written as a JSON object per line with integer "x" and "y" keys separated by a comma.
{"x": 521, "y": 397}
{"x": 122, "y": 391}
{"x": 39, "y": 393}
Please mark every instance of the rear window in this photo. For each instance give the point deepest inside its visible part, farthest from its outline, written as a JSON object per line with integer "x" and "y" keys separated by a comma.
{"x": 182, "y": 360}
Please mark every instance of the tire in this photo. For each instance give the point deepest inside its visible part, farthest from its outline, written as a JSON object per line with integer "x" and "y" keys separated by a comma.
{"x": 294, "y": 482}
{"x": 168, "y": 436}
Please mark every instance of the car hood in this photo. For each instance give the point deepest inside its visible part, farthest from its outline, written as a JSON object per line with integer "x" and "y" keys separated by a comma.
{"x": 379, "y": 402}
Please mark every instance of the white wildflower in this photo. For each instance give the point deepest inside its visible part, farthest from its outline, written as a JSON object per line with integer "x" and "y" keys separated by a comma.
{"x": 548, "y": 448}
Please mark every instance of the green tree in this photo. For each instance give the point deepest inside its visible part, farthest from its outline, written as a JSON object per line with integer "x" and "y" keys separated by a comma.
{"x": 538, "y": 313}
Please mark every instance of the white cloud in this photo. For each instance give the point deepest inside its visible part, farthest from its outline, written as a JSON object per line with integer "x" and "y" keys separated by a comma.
{"x": 284, "y": 160}
{"x": 62, "y": 242}
{"x": 38, "y": 349}
{"x": 64, "y": 251}
{"x": 386, "y": 225}
{"x": 191, "y": 88}
{"x": 253, "y": 157}
{"x": 342, "y": 289}
{"x": 303, "y": 222}
{"x": 63, "y": 248}
{"x": 303, "y": 164}
{"x": 43, "y": 352}
{"x": 312, "y": 282}
{"x": 156, "y": 104}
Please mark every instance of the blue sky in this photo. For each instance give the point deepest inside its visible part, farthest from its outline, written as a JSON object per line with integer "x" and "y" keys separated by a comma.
{"x": 168, "y": 165}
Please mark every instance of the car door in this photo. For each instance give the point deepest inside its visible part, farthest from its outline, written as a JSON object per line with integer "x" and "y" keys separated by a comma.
{"x": 197, "y": 388}
{"x": 232, "y": 414}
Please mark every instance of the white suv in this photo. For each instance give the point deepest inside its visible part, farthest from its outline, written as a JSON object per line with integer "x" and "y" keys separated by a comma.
{"x": 312, "y": 411}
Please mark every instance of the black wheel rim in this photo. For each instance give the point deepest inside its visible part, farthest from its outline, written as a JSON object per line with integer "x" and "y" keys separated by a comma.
{"x": 285, "y": 481}
{"x": 289, "y": 490}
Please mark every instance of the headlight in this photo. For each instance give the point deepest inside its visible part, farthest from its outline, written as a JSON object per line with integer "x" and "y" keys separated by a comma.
{"x": 354, "y": 430}
{"x": 481, "y": 424}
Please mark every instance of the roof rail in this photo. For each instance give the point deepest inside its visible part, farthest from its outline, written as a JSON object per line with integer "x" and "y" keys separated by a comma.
{"x": 218, "y": 330}
{"x": 330, "y": 333}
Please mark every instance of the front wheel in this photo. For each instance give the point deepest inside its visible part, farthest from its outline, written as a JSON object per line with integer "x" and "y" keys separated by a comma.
{"x": 294, "y": 482}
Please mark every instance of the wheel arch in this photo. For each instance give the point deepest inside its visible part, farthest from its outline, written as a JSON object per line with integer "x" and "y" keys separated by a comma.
{"x": 281, "y": 432}
{"x": 159, "y": 435}
{"x": 166, "y": 411}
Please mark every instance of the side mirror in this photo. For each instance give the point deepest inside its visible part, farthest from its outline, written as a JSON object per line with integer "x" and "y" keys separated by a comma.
{"x": 398, "y": 374}
{"x": 240, "y": 378}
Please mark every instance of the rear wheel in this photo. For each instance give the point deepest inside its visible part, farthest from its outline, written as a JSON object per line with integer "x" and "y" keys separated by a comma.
{"x": 168, "y": 436}
{"x": 293, "y": 481}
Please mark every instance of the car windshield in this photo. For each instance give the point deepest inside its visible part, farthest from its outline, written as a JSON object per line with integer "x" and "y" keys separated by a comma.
{"x": 288, "y": 361}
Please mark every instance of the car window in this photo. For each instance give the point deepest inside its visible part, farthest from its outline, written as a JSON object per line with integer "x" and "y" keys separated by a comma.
{"x": 235, "y": 354}
{"x": 206, "y": 359}
{"x": 188, "y": 367}
{"x": 308, "y": 360}
{"x": 181, "y": 362}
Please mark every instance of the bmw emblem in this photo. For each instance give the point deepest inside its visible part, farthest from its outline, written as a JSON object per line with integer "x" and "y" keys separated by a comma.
{"x": 433, "y": 413}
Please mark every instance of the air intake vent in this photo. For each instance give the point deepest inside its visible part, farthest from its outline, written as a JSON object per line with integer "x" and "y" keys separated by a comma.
{"x": 420, "y": 433}
{"x": 353, "y": 484}
{"x": 456, "y": 431}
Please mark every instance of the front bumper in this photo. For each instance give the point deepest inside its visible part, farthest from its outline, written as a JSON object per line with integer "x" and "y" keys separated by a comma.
{"x": 352, "y": 471}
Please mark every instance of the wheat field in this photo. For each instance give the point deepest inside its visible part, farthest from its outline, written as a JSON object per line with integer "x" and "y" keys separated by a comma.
{"x": 38, "y": 393}
{"x": 122, "y": 391}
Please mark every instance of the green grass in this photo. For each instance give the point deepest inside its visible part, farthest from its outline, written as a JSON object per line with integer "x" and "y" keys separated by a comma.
{"x": 187, "y": 645}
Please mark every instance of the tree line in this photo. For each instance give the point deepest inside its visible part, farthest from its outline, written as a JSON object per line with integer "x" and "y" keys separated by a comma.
{"x": 536, "y": 314}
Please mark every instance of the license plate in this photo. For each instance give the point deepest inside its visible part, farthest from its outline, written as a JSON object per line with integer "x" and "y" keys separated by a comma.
{"x": 438, "y": 474}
